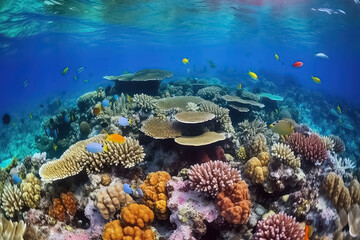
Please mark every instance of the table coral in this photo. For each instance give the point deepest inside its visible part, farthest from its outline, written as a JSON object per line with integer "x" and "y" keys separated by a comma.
{"x": 256, "y": 169}
{"x": 235, "y": 204}
{"x": 212, "y": 177}
{"x": 154, "y": 189}
{"x": 137, "y": 215}
{"x": 11, "y": 200}
{"x": 31, "y": 188}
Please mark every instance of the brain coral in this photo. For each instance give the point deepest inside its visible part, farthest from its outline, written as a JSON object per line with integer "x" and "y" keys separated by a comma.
{"x": 154, "y": 189}
{"x": 137, "y": 215}
{"x": 283, "y": 153}
{"x": 76, "y": 158}
{"x": 114, "y": 231}
{"x": 311, "y": 148}
{"x": 11, "y": 200}
{"x": 111, "y": 200}
{"x": 279, "y": 227}
{"x": 212, "y": 177}
{"x": 31, "y": 188}
{"x": 235, "y": 204}
{"x": 337, "y": 192}
{"x": 256, "y": 169}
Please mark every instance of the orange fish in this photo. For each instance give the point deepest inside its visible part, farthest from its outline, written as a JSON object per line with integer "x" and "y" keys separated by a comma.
{"x": 116, "y": 138}
{"x": 308, "y": 232}
{"x": 97, "y": 109}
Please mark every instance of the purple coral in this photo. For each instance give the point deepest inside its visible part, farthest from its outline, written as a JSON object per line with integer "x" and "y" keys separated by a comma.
{"x": 212, "y": 177}
{"x": 280, "y": 227}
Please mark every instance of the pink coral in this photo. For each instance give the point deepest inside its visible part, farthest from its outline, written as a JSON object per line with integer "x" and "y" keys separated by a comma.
{"x": 280, "y": 227}
{"x": 212, "y": 177}
{"x": 311, "y": 148}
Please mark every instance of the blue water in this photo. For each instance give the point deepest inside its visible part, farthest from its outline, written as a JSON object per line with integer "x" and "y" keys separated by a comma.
{"x": 39, "y": 39}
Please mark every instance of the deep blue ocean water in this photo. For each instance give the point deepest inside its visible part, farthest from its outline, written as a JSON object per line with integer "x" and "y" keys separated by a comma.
{"x": 38, "y": 39}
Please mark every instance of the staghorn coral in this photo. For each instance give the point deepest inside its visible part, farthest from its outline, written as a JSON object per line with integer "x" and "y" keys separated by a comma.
{"x": 212, "y": 177}
{"x": 337, "y": 192}
{"x": 11, "y": 230}
{"x": 279, "y": 226}
{"x": 234, "y": 203}
{"x": 144, "y": 102}
{"x": 283, "y": 153}
{"x": 105, "y": 179}
{"x": 311, "y": 148}
{"x": 160, "y": 128}
{"x": 154, "y": 190}
{"x": 76, "y": 158}
{"x": 31, "y": 188}
{"x": 339, "y": 145}
{"x": 256, "y": 169}
{"x": 137, "y": 215}
{"x": 114, "y": 231}
{"x": 257, "y": 145}
{"x": 111, "y": 200}
{"x": 11, "y": 200}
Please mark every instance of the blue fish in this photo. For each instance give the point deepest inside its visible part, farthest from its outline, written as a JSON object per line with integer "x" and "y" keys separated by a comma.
{"x": 105, "y": 103}
{"x": 67, "y": 118}
{"x": 48, "y": 132}
{"x": 127, "y": 188}
{"x": 55, "y": 134}
{"x": 16, "y": 178}
{"x": 123, "y": 121}
{"x": 116, "y": 97}
{"x": 96, "y": 147}
{"x": 140, "y": 192}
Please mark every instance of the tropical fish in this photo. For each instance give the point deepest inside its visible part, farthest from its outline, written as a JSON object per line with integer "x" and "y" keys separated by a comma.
{"x": 308, "y": 232}
{"x": 13, "y": 124}
{"x": 116, "y": 138}
{"x": 338, "y": 109}
{"x": 185, "y": 61}
{"x": 85, "y": 81}
{"x": 342, "y": 11}
{"x": 59, "y": 102}
{"x": 128, "y": 98}
{"x": 116, "y": 97}
{"x": 298, "y": 64}
{"x": 276, "y": 111}
{"x": 127, "y": 188}
{"x": 96, "y": 147}
{"x": 65, "y": 71}
{"x": 25, "y": 83}
{"x": 31, "y": 116}
{"x": 97, "y": 109}
{"x": 212, "y": 65}
{"x": 55, "y": 147}
{"x": 123, "y": 121}
{"x": 126, "y": 72}
{"x": 16, "y": 178}
{"x": 6, "y": 118}
{"x": 277, "y": 57}
{"x": 48, "y": 132}
{"x": 282, "y": 127}
{"x": 239, "y": 86}
{"x": 253, "y": 75}
{"x": 316, "y": 79}
{"x": 75, "y": 77}
{"x": 66, "y": 118}
{"x": 105, "y": 103}
{"x": 321, "y": 55}
{"x": 80, "y": 69}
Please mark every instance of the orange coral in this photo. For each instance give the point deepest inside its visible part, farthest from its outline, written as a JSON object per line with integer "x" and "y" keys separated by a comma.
{"x": 113, "y": 231}
{"x": 58, "y": 210}
{"x": 137, "y": 215}
{"x": 235, "y": 203}
{"x": 154, "y": 189}
{"x": 68, "y": 200}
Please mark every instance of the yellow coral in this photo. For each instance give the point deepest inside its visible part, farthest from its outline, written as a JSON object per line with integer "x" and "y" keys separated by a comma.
{"x": 242, "y": 153}
{"x": 31, "y": 188}
{"x": 284, "y": 153}
{"x": 154, "y": 189}
{"x": 105, "y": 179}
{"x": 11, "y": 200}
{"x": 113, "y": 231}
{"x": 256, "y": 168}
{"x": 137, "y": 215}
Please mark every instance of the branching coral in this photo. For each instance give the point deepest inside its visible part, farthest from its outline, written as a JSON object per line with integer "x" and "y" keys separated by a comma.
{"x": 256, "y": 169}
{"x": 279, "y": 227}
{"x": 144, "y": 102}
{"x": 311, "y": 148}
{"x": 11, "y": 230}
{"x": 337, "y": 192}
{"x": 234, "y": 203}
{"x": 154, "y": 189}
{"x": 31, "y": 188}
{"x": 137, "y": 215}
{"x": 283, "y": 153}
{"x": 111, "y": 200}
{"x": 212, "y": 177}
{"x": 11, "y": 200}
{"x": 258, "y": 145}
{"x": 209, "y": 93}
{"x": 76, "y": 158}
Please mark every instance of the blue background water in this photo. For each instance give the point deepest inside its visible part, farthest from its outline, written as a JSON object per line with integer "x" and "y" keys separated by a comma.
{"x": 39, "y": 39}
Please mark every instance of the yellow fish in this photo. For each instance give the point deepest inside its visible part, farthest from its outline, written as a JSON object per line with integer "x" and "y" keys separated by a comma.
{"x": 185, "y": 61}
{"x": 276, "y": 111}
{"x": 277, "y": 57}
{"x": 239, "y": 86}
{"x": 282, "y": 127}
{"x": 65, "y": 70}
{"x": 30, "y": 116}
{"x": 338, "y": 108}
{"x": 253, "y": 75}
{"x": 128, "y": 98}
{"x": 116, "y": 138}
{"x": 13, "y": 124}
{"x": 75, "y": 77}
{"x": 55, "y": 146}
{"x": 316, "y": 79}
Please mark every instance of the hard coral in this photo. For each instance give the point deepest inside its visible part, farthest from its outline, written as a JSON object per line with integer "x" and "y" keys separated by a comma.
{"x": 258, "y": 145}
{"x": 235, "y": 204}
{"x": 114, "y": 231}
{"x": 31, "y": 188}
{"x": 311, "y": 148}
{"x": 105, "y": 179}
{"x": 337, "y": 192}
{"x": 339, "y": 145}
{"x": 137, "y": 215}
{"x": 68, "y": 200}
{"x": 283, "y": 153}
{"x": 58, "y": 210}
{"x": 155, "y": 196}
{"x": 212, "y": 177}
{"x": 11, "y": 200}
{"x": 279, "y": 227}
{"x": 10, "y": 230}
{"x": 256, "y": 169}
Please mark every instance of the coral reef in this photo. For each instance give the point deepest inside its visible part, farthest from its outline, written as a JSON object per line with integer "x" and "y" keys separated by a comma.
{"x": 257, "y": 145}
{"x": 31, "y": 188}
{"x": 337, "y": 192}
{"x": 11, "y": 230}
{"x": 65, "y": 204}
{"x": 160, "y": 128}
{"x": 206, "y": 138}
{"x": 137, "y": 215}
{"x": 283, "y": 153}
{"x": 144, "y": 102}
{"x": 256, "y": 169}
{"x": 11, "y": 200}
{"x": 114, "y": 231}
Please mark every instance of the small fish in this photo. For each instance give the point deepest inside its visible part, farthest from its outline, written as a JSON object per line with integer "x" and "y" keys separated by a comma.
{"x": 25, "y": 83}
{"x": 185, "y": 61}
{"x": 128, "y": 98}
{"x": 48, "y": 132}
{"x": 106, "y": 103}
{"x": 316, "y": 79}
{"x": 55, "y": 147}
{"x": 239, "y": 86}
{"x": 75, "y": 77}
{"x": 85, "y": 81}
{"x": 97, "y": 109}
{"x": 253, "y": 75}
{"x": 277, "y": 57}
{"x": 321, "y": 55}
{"x": 140, "y": 192}
{"x": 66, "y": 118}
{"x": 338, "y": 109}
{"x": 116, "y": 97}
{"x": 16, "y": 178}
{"x": 276, "y": 111}
{"x": 123, "y": 121}
{"x": 308, "y": 232}
{"x": 282, "y": 127}
{"x": 298, "y": 64}
{"x": 80, "y": 70}
{"x": 13, "y": 124}
{"x": 212, "y": 65}
{"x": 127, "y": 188}
{"x": 59, "y": 102}
{"x": 96, "y": 147}
{"x": 31, "y": 116}
{"x": 116, "y": 138}
{"x": 65, "y": 71}
{"x": 342, "y": 11}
